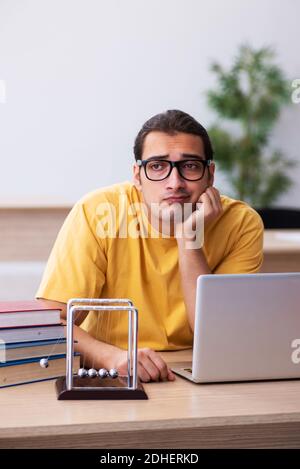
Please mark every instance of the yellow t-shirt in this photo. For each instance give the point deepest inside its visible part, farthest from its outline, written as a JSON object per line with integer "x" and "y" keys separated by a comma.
{"x": 84, "y": 263}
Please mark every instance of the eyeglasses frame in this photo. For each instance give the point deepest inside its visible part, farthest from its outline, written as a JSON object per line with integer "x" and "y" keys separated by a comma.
{"x": 173, "y": 164}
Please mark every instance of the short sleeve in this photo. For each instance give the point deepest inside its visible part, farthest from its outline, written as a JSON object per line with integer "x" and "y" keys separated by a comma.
{"x": 77, "y": 264}
{"x": 246, "y": 254}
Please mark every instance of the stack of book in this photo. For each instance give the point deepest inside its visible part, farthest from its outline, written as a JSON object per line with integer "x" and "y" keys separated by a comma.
{"x": 31, "y": 331}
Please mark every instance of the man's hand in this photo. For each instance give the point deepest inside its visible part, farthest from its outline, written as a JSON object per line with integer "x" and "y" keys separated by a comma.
{"x": 208, "y": 208}
{"x": 151, "y": 366}
{"x": 212, "y": 204}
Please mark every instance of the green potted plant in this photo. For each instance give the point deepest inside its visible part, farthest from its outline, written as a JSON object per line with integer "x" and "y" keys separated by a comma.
{"x": 250, "y": 95}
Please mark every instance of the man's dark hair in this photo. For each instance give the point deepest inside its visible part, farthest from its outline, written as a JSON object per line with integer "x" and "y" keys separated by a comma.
{"x": 171, "y": 122}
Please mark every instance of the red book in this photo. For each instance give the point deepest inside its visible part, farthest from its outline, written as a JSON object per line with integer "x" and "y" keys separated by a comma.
{"x": 28, "y": 313}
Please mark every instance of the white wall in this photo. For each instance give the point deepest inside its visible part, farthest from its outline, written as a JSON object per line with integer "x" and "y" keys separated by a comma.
{"x": 82, "y": 76}
{"x": 19, "y": 280}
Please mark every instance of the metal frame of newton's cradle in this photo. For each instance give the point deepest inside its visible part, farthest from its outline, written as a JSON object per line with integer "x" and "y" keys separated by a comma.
{"x": 71, "y": 387}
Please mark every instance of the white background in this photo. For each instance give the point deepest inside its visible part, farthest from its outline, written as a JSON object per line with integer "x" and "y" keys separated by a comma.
{"x": 81, "y": 77}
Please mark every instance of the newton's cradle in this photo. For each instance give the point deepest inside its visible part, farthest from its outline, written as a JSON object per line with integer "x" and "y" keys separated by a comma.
{"x": 101, "y": 384}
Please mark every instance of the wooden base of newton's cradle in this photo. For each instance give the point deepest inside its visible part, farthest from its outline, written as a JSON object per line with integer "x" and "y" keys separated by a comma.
{"x": 95, "y": 388}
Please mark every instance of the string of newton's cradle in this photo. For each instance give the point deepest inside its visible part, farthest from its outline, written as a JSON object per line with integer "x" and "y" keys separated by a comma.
{"x": 44, "y": 362}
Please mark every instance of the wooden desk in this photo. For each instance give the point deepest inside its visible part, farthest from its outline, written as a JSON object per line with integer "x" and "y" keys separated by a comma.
{"x": 178, "y": 414}
{"x": 281, "y": 251}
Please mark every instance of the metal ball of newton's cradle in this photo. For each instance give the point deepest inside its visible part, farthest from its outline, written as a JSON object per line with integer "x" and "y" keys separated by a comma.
{"x": 82, "y": 372}
{"x": 113, "y": 373}
{"x": 92, "y": 373}
{"x": 44, "y": 363}
{"x": 103, "y": 373}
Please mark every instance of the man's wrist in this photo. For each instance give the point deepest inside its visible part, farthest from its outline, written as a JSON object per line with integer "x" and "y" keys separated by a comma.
{"x": 109, "y": 355}
{"x": 189, "y": 244}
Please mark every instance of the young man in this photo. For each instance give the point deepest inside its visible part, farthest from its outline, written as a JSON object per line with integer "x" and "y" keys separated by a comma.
{"x": 132, "y": 240}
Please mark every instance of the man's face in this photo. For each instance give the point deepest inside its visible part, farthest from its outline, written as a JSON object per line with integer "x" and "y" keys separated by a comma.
{"x": 180, "y": 146}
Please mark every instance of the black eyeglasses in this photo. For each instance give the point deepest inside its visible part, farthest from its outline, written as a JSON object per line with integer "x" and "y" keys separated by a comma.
{"x": 157, "y": 170}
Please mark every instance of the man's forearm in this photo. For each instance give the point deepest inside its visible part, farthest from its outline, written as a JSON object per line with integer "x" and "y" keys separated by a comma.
{"x": 94, "y": 354}
{"x": 192, "y": 263}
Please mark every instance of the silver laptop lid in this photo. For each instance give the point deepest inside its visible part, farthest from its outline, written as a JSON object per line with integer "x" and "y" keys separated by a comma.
{"x": 247, "y": 327}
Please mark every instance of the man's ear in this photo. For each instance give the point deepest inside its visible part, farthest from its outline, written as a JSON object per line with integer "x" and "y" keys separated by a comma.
{"x": 137, "y": 177}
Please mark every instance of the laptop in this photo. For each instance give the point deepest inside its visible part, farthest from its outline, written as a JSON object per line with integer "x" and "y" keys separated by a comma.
{"x": 247, "y": 327}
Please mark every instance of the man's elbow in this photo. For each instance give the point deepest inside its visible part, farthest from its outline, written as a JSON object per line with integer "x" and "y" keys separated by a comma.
{"x": 59, "y": 305}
